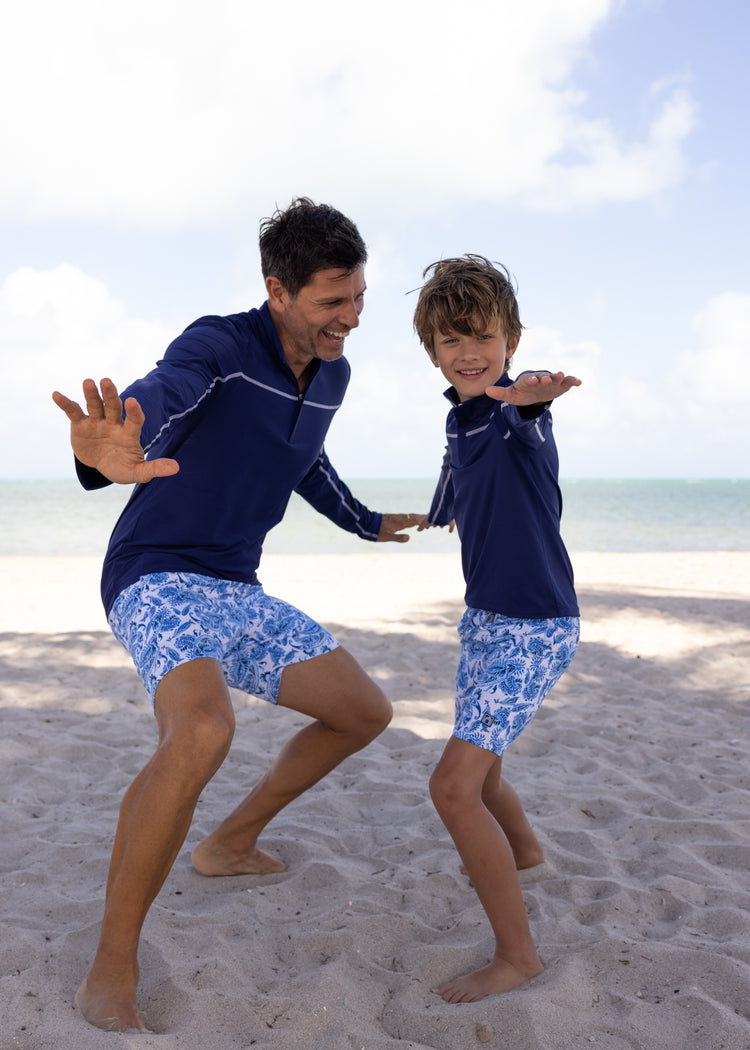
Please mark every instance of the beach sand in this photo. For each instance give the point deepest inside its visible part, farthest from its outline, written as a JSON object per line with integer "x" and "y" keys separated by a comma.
{"x": 636, "y": 775}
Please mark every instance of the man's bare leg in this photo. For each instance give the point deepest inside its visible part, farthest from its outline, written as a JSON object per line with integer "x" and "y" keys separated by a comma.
{"x": 456, "y": 787}
{"x": 349, "y": 711}
{"x": 196, "y": 721}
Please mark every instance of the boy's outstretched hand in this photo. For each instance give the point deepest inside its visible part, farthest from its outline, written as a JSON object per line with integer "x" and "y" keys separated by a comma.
{"x": 533, "y": 388}
{"x": 107, "y": 442}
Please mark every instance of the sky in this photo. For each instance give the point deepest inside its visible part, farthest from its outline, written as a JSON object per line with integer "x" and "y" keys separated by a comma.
{"x": 597, "y": 148}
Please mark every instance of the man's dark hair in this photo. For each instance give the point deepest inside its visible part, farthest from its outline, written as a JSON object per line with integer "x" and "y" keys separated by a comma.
{"x": 305, "y": 238}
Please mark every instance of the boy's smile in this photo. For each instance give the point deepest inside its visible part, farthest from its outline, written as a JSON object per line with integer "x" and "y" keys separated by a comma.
{"x": 473, "y": 362}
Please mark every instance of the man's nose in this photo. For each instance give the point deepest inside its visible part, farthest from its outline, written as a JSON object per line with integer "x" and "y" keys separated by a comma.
{"x": 349, "y": 315}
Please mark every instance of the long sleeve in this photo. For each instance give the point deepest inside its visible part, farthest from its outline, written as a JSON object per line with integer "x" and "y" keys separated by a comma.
{"x": 441, "y": 509}
{"x": 329, "y": 495}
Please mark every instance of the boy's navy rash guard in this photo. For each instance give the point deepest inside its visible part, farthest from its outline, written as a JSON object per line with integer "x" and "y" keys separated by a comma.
{"x": 225, "y": 404}
{"x": 499, "y": 482}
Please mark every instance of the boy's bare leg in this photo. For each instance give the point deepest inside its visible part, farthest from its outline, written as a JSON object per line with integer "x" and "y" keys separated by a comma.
{"x": 196, "y": 722}
{"x": 505, "y": 806}
{"x": 349, "y": 711}
{"x": 456, "y": 788}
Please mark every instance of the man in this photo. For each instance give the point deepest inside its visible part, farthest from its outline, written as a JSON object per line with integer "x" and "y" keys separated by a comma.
{"x": 233, "y": 419}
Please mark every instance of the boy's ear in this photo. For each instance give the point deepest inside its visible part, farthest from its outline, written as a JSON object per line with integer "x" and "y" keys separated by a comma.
{"x": 512, "y": 347}
{"x": 432, "y": 356}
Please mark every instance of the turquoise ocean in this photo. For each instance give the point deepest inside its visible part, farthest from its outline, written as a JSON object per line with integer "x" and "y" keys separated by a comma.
{"x": 57, "y": 518}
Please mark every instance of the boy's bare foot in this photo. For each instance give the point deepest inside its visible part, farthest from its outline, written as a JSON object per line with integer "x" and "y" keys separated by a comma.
{"x": 498, "y": 976}
{"x": 216, "y": 860}
{"x": 111, "y": 1008}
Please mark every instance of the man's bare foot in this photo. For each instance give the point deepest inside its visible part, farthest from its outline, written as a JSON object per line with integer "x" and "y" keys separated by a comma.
{"x": 111, "y": 1008}
{"x": 215, "y": 860}
{"x": 498, "y": 976}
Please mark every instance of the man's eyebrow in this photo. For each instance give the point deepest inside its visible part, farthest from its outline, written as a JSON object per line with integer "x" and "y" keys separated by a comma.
{"x": 338, "y": 298}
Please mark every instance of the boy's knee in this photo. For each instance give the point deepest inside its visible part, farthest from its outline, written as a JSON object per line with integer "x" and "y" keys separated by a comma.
{"x": 447, "y": 792}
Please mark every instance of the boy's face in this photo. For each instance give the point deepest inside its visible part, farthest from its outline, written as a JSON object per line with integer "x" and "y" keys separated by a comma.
{"x": 471, "y": 363}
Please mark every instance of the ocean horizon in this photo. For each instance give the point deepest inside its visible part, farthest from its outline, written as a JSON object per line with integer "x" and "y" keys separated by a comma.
{"x": 48, "y": 518}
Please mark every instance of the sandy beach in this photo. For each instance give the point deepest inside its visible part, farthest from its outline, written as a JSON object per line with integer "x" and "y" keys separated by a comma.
{"x": 636, "y": 774}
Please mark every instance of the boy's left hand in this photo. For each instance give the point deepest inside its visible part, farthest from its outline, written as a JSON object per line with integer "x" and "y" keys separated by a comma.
{"x": 533, "y": 388}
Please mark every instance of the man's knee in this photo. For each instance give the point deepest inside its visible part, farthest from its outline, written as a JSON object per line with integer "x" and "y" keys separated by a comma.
{"x": 195, "y": 716}
{"x": 196, "y": 748}
{"x": 377, "y": 712}
{"x": 336, "y": 691}
{"x": 362, "y": 709}
{"x": 210, "y": 734}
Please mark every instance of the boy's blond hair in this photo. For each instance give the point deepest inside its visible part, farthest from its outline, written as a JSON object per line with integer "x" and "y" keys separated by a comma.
{"x": 466, "y": 295}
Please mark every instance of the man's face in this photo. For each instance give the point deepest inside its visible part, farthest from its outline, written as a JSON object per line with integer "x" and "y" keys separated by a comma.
{"x": 315, "y": 323}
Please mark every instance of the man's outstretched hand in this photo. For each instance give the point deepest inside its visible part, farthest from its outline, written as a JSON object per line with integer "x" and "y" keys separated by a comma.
{"x": 533, "y": 388}
{"x": 392, "y": 524}
{"x": 105, "y": 440}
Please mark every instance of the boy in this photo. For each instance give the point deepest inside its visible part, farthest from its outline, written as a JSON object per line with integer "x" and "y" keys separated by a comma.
{"x": 520, "y": 629}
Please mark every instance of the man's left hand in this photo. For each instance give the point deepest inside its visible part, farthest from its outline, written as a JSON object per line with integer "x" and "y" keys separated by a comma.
{"x": 392, "y": 524}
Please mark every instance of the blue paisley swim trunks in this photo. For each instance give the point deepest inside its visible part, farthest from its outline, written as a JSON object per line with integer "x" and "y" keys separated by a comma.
{"x": 507, "y": 667}
{"x": 169, "y": 618}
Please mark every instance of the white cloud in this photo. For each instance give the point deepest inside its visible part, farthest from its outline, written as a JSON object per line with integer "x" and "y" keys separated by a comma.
{"x": 56, "y": 328}
{"x": 611, "y": 170}
{"x": 164, "y": 113}
{"x": 586, "y": 408}
{"x": 685, "y": 414}
{"x": 716, "y": 370}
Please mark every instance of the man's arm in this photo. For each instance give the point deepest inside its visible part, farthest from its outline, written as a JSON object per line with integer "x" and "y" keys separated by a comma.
{"x": 329, "y": 495}
{"x": 106, "y": 441}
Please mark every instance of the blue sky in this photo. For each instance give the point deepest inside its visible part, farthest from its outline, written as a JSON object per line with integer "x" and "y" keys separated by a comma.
{"x": 598, "y": 148}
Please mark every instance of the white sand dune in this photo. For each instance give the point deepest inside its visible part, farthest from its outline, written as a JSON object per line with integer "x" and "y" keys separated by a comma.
{"x": 636, "y": 773}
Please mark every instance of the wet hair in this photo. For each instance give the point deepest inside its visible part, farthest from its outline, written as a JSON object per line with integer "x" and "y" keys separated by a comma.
{"x": 305, "y": 238}
{"x": 466, "y": 295}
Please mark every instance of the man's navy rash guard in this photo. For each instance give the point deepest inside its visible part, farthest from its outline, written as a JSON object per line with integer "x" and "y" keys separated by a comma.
{"x": 226, "y": 405}
{"x": 499, "y": 482}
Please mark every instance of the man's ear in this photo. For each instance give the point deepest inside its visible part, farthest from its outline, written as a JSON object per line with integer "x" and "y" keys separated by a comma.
{"x": 278, "y": 296}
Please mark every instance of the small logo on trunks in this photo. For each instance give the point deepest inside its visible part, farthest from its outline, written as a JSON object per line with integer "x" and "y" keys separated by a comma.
{"x": 487, "y": 719}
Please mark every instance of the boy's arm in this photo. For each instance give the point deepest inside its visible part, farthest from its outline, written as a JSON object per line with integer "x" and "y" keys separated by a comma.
{"x": 441, "y": 509}
{"x": 534, "y": 388}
